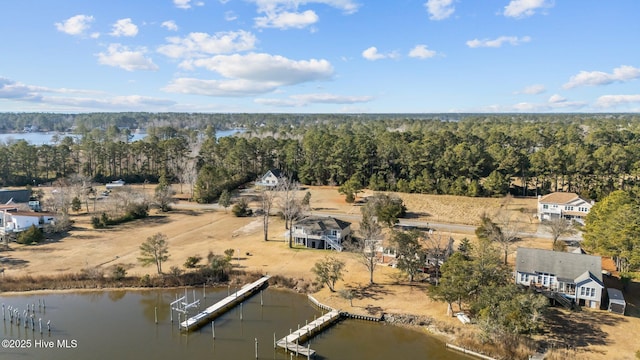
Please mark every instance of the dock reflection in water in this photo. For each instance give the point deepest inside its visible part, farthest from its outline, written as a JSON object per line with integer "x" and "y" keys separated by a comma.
{"x": 121, "y": 325}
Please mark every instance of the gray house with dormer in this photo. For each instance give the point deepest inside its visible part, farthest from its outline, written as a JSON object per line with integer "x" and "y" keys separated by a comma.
{"x": 569, "y": 276}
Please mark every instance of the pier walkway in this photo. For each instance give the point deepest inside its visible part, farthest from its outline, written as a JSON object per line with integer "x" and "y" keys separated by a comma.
{"x": 291, "y": 342}
{"x": 223, "y": 305}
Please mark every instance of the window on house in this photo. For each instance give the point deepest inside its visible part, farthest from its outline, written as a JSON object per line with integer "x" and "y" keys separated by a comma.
{"x": 568, "y": 208}
{"x": 593, "y": 292}
{"x": 545, "y": 206}
{"x": 582, "y": 291}
{"x": 524, "y": 277}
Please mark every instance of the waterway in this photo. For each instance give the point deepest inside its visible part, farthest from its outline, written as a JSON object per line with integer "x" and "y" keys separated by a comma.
{"x": 121, "y": 325}
{"x": 41, "y": 138}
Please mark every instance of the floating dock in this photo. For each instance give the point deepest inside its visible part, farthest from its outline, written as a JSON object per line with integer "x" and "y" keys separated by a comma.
{"x": 291, "y": 342}
{"x": 223, "y": 305}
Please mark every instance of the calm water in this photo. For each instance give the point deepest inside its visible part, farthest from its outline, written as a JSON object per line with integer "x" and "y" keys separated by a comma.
{"x": 120, "y": 325}
{"x": 40, "y": 138}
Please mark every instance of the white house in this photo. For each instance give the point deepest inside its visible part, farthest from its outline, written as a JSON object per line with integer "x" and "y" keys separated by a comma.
{"x": 320, "y": 232}
{"x": 566, "y": 277}
{"x": 270, "y": 178}
{"x": 16, "y": 221}
{"x": 563, "y": 205}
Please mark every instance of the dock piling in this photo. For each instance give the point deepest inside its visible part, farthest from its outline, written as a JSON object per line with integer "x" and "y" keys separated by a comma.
{"x": 213, "y": 329}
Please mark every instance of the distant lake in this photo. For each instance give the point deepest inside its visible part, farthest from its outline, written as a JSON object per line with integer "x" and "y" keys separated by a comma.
{"x": 41, "y": 138}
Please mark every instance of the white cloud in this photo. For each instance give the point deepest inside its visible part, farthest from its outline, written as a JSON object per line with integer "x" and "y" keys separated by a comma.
{"x": 237, "y": 87}
{"x": 284, "y": 14}
{"x": 284, "y": 20}
{"x": 372, "y": 54}
{"x": 267, "y": 68}
{"x": 439, "y": 9}
{"x": 75, "y": 25}
{"x": 532, "y": 90}
{"x": 524, "y": 8}
{"x": 121, "y": 56}
{"x": 623, "y": 73}
{"x": 307, "y": 99}
{"x": 496, "y": 43}
{"x": 186, "y": 4}
{"x": 348, "y": 6}
{"x": 230, "y": 16}
{"x": 607, "y": 101}
{"x": 251, "y": 74}
{"x": 119, "y": 103}
{"x": 202, "y": 44}
{"x": 16, "y": 91}
{"x": 556, "y": 99}
{"x": 170, "y": 25}
{"x": 421, "y": 52}
{"x": 124, "y": 27}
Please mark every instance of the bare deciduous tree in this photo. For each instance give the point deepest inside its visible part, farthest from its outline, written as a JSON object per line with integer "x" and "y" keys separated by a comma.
{"x": 290, "y": 205}
{"x": 266, "y": 200}
{"x": 370, "y": 242}
{"x": 559, "y": 227}
{"x": 438, "y": 247}
{"x": 504, "y": 231}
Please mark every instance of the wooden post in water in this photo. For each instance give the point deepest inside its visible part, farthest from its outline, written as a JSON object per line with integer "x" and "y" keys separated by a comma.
{"x": 40, "y": 324}
{"x": 204, "y": 290}
{"x": 43, "y": 305}
{"x": 155, "y": 313}
{"x": 48, "y": 324}
{"x": 178, "y": 321}
{"x": 171, "y": 314}
{"x": 308, "y": 351}
{"x": 261, "y": 303}
{"x": 274, "y": 340}
{"x": 194, "y": 295}
{"x": 297, "y": 346}
{"x": 241, "y": 311}
{"x": 4, "y": 316}
{"x": 256, "y": 348}
{"x": 213, "y": 329}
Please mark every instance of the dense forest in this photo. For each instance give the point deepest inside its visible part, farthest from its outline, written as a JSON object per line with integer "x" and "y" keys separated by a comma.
{"x": 461, "y": 154}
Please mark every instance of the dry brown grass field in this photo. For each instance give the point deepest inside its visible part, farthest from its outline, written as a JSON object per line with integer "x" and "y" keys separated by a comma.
{"x": 196, "y": 231}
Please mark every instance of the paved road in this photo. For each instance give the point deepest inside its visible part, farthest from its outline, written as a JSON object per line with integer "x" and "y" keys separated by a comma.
{"x": 438, "y": 226}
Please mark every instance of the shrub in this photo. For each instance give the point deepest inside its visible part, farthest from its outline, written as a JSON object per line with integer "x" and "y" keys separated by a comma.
{"x": 94, "y": 273}
{"x": 97, "y": 224}
{"x": 192, "y": 261}
{"x": 30, "y": 236}
{"x": 175, "y": 271}
{"x": 145, "y": 281}
{"x": 241, "y": 208}
{"x": 118, "y": 272}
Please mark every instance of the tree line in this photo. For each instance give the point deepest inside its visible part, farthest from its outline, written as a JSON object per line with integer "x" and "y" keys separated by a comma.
{"x": 490, "y": 155}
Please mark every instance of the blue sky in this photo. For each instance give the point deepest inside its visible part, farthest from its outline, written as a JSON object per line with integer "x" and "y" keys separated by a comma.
{"x": 320, "y": 56}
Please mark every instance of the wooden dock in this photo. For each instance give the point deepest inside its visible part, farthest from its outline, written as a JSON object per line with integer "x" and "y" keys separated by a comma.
{"x": 291, "y": 342}
{"x": 223, "y": 305}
